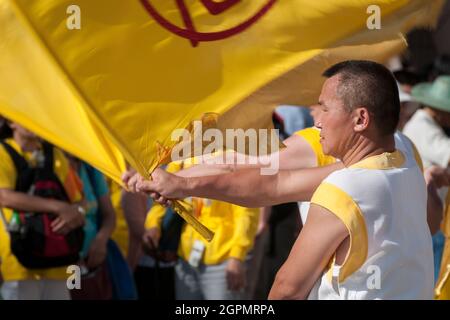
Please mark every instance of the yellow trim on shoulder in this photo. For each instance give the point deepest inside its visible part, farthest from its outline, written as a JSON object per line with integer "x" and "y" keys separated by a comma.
{"x": 384, "y": 161}
{"x": 312, "y": 137}
{"x": 342, "y": 205}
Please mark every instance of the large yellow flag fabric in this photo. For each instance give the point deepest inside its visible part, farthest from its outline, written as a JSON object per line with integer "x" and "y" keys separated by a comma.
{"x": 36, "y": 93}
{"x": 106, "y": 78}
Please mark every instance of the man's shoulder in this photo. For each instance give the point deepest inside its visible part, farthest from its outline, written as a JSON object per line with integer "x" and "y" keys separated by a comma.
{"x": 354, "y": 181}
{"x": 336, "y": 184}
{"x": 345, "y": 176}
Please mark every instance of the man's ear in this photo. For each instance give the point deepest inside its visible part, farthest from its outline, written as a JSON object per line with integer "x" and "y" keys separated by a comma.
{"x": 361, "y": 119}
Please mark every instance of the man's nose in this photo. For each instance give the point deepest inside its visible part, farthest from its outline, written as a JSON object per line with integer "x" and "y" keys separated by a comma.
{"x": 314, "y": 111}
{"x": 317, "y": 124}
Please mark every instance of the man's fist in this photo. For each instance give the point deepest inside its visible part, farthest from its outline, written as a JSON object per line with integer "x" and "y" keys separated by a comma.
{"x": 161, "y": 188}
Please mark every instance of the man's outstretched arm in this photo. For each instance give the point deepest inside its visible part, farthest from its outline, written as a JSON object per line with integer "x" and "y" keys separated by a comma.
{"x": 245, "y": 187}
{"x": 319, "y": 239}
{"x": 297, "y": 154}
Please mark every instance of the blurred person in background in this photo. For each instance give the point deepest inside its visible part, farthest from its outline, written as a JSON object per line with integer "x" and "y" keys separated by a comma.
{"x": 99, "y": 226}
{"x": 21, "y": 283}
{"x": 427, "y": 130}
{"x": 213, "y": 270}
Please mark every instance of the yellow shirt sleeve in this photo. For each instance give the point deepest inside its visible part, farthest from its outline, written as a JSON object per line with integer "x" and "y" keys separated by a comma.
{"x": 312, "y": 136}
{"x": 155, "y": 216}
{"x": 8, "y": 174}
{"x": 245, "y": 231}
{"x": 339, "y": 203}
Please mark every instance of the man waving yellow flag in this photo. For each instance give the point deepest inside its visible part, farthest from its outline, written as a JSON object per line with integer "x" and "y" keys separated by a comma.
{"x": 107, "y": 78}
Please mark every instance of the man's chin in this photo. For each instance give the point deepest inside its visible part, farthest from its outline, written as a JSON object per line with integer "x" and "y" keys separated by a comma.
{"x": 327, "y": 151}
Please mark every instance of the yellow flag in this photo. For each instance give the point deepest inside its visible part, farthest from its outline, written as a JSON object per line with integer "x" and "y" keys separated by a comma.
{"x": 95, "y": 75}
{"x": 36, "y": 93}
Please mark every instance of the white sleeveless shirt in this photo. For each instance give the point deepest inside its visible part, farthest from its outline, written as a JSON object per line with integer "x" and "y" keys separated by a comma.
{"x": 382, "y": 201}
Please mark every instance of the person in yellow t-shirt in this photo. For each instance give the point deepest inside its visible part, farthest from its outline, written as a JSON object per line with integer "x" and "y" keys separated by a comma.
{"x": 216, "y": 269}
{"x": 19, "y": 282}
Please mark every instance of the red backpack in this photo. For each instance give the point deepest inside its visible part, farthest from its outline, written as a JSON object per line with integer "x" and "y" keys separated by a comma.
{"x": 33, "y": 242}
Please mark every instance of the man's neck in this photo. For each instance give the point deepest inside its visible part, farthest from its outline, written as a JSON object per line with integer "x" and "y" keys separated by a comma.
{"x": 365, "y": 147}
{"x": 27, "y": 145}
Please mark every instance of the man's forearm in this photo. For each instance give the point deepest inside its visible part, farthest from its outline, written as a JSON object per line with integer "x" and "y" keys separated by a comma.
{"x": 213, "y": 166}
{"x": 249, "y": 188}
{"x": 245, "y": 187}
{"x": 202, "y": 170}
{"x": 24, "y": 202}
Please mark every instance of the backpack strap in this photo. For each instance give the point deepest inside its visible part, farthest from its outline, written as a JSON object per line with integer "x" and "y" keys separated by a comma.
{"x": 21, "y": 165}
{"x": 48, "y": 155}
{"x": 19, "y": 162}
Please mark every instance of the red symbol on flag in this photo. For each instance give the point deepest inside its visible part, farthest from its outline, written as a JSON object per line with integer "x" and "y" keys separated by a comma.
{"x": 213, "y": 7}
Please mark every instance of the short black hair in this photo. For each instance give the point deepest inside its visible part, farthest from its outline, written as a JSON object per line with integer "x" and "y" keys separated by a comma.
{"x": 369, "y": 84}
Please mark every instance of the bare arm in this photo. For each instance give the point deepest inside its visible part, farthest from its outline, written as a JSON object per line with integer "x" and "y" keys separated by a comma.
{"x": 23, "y": 202}
{"x": 135, "y": 210}
{"x": 313, "y": 249}
{"x": 435, "y": 178}
{"x": 245, "y": 187}
{"x": 297, "y": 154}
{"x": 68, "y": 215}
{"x": 435, "y": 209}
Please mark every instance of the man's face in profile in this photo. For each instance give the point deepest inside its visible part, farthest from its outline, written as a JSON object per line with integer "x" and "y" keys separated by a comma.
{"x": 334, "y": 120}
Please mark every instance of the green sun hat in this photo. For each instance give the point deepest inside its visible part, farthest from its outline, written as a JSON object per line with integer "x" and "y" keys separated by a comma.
{"x": 435, "y": 95}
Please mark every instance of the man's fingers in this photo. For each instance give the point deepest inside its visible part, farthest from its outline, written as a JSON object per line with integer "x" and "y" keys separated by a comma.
{"x": 162, "y": 201}
{"x": 154, "y": 195}
{"x": 145, "y": 186}
{"x": 132, "y": 183}
{"x": 127, "y": 175}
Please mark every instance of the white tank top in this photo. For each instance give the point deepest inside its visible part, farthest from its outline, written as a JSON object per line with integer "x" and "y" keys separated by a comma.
{"x": 382, "y": 201}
